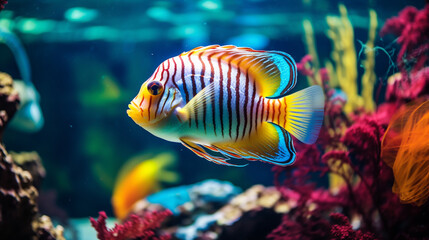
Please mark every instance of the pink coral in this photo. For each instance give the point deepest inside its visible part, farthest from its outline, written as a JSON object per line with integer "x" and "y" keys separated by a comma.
{"x": 303, "y": 66}
{"x": 411, "y": 27}
{"x": 341, "y": 229}
{"x": 368, "y": 129}
{"x": 406, "y": 89}
{"x": 134, "y": 227}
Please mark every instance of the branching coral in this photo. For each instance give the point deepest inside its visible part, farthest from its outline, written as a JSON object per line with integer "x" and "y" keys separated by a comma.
{"x": 352, "y": 155}
{"x": 135, "y": 227}
{"x": 349, "y": 149}
{"x": 411, "y": 27}
{"x": 341, "y": 229}
{"x": 344, "y": 56}
{"x": 311, "y": 49}
{"x": 368, "y": 78}
{"x": 343, "y": 72}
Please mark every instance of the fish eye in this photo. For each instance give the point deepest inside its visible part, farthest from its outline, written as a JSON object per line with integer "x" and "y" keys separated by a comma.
{"x": 155, "y": 88}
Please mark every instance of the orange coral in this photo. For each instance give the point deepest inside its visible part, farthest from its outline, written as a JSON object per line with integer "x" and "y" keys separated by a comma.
{"x": 405, "y": 148}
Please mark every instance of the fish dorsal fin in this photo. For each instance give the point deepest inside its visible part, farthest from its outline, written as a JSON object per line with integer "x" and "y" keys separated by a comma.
{"x": 273, "y": 71}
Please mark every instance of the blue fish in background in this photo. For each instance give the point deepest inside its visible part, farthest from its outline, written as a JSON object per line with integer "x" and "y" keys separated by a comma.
{"x": 29, "y": 117}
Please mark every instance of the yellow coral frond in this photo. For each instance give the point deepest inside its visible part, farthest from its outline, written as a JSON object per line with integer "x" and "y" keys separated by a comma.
{"x": 310, "y": 42}
{"x": 344, "y": 56}
{"x": 368, "y": 78}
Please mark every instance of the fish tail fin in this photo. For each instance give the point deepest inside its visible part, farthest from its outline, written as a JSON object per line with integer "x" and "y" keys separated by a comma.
{"x": 304, "y": 113}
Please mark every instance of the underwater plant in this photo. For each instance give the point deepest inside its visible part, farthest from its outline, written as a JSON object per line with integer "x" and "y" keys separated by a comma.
{"x": 135, "y": 227}
{"x": 405, "y": 148}
{"x": 359, "y": 201}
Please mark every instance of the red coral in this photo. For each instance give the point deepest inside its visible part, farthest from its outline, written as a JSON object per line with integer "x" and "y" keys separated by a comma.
{"x": 364, "y": 137}
{"x": 304, "y": 67}
{"x": 406, "y": 89}
{"x": 304, "y": 226}
{"x": 135, "y": 227}
{"x": 2, "y": 3}
{"x": 411, "y": 27}
{"x": 354, "y": 142}
{"x": 341, "y": 229}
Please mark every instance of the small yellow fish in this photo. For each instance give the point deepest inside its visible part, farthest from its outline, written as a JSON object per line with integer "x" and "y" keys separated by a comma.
{"x": 138, "y": 178}
{"x": 232, "y": 101}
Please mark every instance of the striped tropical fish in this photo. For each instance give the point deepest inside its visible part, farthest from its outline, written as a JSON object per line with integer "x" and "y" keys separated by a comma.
{"x": 227, "y": 101}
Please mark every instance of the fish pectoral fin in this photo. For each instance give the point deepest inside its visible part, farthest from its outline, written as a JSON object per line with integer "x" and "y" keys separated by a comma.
{"x": 195, "y": 107}
{"x": 202, "y": 153}
{"x": 270, "y": 143}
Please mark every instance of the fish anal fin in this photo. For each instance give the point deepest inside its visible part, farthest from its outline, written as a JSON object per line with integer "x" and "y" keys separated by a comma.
{"x": 270, "y": 143}
{"x": 199, "y": 151}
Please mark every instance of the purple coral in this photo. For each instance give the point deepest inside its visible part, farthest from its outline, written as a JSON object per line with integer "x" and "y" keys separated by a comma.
{"x": 135, "y": 227}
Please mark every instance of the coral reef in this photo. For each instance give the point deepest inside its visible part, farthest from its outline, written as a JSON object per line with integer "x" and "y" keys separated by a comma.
{"x": 31, "y": 162}
{"x": 252, "y": 214}
{"x": 411, "y": 28}
{"x": 19, "y": 213}
{"x": 344, "y": 56}
{"x": 206, "y": 196}
{"x": 185, "y": 207}
{"x": 215, "y": 213}
{"x": 349, "y": 149}
{"x": 135, "y": 227}
{"x": 195, "y": 207}
{"x": 9, "y": 100}
{"x": 19, "y": 217}
{"x": 17, "y": 199}
{"x": 258, "y": 206}
{"x": 359, "y": 202}
{"x": 342, "y": 229}
{"x": 343, "y": 71}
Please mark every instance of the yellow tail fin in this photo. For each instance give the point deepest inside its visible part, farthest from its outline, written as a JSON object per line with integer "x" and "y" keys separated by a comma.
{"x": 304, "y": 113}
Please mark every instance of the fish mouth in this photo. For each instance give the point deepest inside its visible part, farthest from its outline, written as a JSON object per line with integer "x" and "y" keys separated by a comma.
{"x": 136, "y": 113}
